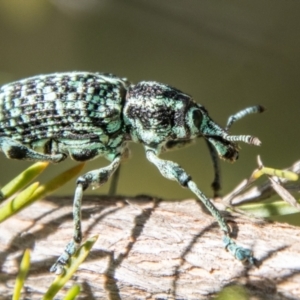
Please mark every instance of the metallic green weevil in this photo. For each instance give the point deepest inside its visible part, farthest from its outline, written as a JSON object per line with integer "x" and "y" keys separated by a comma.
{"x": 85, "y": 115}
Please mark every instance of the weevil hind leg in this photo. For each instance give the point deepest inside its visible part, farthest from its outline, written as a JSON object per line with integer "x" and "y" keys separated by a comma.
{"x": 15, "y": 150}
{"x": 173, "y": 171}
{"x": 216, "y": 184}
{"x": 114, "y": 182}
{"x": 93, "y": 178}
{"x": 116, "y": 175}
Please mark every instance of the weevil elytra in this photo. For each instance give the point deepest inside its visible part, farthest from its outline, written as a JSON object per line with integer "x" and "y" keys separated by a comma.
{"x": 85, "y": 115}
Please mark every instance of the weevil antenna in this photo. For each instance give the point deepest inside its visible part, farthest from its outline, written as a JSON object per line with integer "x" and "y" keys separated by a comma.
{"x": 242, "y": 113}
{"x": 248, "y": 139}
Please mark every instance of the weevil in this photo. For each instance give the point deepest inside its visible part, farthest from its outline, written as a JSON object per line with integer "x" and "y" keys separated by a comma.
{"x": 86, "y": 115}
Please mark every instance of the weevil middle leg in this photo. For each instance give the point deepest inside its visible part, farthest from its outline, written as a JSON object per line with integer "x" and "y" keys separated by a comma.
{"x": 92, "y": 178}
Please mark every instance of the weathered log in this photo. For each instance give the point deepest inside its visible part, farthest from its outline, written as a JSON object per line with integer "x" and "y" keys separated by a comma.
{"x": 150, "y": 249}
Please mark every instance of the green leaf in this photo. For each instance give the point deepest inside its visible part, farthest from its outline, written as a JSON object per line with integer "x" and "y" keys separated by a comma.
{"x": 234, "y": 292}
{"x": 35, "y": 192}
{"x": 270, "y": 209}
{"x": 289, "y": 175}
{"x": 72, "y": 293}
{"x": 74, "y": 263}
{"x": 24, "y": 268}
{"x": 19, "y": 202}
{"x": 22, "y": 179}
{"x": 56, "y": 182}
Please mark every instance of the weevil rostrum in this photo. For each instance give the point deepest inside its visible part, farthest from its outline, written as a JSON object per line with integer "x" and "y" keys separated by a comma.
{"x": 85, "y": 115}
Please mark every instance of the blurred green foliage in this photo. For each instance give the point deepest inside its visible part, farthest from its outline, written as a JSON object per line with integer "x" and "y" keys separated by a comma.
{"x": 228, "y": 55}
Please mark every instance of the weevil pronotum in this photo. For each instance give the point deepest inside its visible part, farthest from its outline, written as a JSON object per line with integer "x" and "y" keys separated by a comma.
{"x": 85, "y": 115}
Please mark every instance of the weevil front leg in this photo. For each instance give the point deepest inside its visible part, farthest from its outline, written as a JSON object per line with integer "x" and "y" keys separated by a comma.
{"x": 15, "y": 150}
{"x": 173, "y": 171}
{"x": 94, "y": 178}
{"x": 216, "y": 184}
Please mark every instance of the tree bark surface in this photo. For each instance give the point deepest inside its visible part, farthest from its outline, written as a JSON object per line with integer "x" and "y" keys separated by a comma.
{"x": 149, "y": 249}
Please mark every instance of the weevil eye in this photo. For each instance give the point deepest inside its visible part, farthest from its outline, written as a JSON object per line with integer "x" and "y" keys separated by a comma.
{"x": 197, "y": 118}
{"x": 194, "y": 121}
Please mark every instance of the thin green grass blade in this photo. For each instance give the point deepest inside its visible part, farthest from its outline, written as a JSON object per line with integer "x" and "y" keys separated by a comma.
{"x": 24, "y": 268}
{"x": 22, "y": 179}
{"x": 267, "y": 210}
{"x": 36, "y": 191}
{"x": 75, "y": 261}
{"x": 234, "y": 292}
{"x": 19, "y": 202}
{"x": 56, "y": 182}
{"x": 289, "y": 175}
{"x": 72, "y": 293}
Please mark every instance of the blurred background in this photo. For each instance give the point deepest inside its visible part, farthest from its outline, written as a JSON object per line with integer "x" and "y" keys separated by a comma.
{"x": 227, "y": 54}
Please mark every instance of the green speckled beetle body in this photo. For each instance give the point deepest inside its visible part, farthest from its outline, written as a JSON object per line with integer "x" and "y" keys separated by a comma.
{"x": 85, "y": 115}
{"x": 76, "y": 114}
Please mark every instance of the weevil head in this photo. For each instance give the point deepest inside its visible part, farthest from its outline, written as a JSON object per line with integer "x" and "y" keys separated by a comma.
{"x": 159, "y": 115}
{"x": 202, "y": 125}
{"x": 224, "y": 143}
